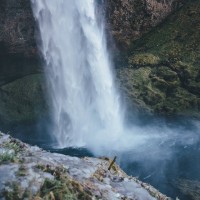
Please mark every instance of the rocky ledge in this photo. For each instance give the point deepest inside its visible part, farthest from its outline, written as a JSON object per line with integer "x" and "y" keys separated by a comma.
{"x": 28, "y": 172}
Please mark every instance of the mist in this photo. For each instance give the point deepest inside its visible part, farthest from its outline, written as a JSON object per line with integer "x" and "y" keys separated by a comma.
{"x": 87, "y": 112}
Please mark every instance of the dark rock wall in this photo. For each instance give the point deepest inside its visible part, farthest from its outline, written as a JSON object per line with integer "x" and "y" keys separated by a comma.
{"x": 128, "y": 20}
{"x": 162, "y": 70}
{"x": 18, "y": 49}
{"x": 21, "y": 82}
{"x": 17, "y": 28}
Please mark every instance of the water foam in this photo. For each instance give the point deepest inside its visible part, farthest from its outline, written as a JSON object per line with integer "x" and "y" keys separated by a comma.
{"x": 85, "y": 102}
{"x": 86, "y": 106}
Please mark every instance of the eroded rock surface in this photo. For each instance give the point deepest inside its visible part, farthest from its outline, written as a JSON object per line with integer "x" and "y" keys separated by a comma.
{"x": 162, "y": 74}
{"x": 30, "y": 172}
{"x": 128, "y": 20}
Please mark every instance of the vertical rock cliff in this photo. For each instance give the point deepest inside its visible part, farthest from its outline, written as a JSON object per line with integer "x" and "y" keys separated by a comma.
{"x": 128, "y": 20}
{"x": 20, "y": 65}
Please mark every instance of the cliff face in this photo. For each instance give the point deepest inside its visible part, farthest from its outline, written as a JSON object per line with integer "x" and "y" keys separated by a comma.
{"x": 21, "y": 83}
{"x": 128, "y": 20}
{"x": 162, "y": 73}
{"x": 18, "y": 50}
{"x": 17, "y": 28}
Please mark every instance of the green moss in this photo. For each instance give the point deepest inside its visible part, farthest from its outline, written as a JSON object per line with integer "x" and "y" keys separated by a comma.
{"x": 177, "y": 38}
{"x": 58, "y": 189}
{"x": 22, "y": 171}
{"x": 23, "y": 99}
{"x": 143, "y": 59}
{"x": 165, "y": 63}
{"x": 7, "y": 157}
{"x": 61, "y": 187}
{"x": 10, "y": 152}
{"x": 12, "y": 146}
{"x": 16, "y": 193}
{"x": 13, "y": 193}
{"x": 165, "y": 73}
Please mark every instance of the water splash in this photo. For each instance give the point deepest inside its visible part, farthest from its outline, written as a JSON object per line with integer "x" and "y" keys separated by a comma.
{"x": 84, "y": 98}
{"x": 85, "y": 103}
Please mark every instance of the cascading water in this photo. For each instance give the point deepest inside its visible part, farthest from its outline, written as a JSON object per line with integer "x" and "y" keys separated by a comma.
{"x": 85, "y": 104}
{"x": 84, "y": 99}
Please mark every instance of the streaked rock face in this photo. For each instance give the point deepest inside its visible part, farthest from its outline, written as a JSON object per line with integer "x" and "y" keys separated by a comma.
{"x": 128, "y": 20}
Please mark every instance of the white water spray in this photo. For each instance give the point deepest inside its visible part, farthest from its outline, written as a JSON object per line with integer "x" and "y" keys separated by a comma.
{"x": 85, "y": 101}
{"x": 85, "y": 104}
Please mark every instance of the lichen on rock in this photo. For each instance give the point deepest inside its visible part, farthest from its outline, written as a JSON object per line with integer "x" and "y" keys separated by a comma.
{"x": 37, "y": 174}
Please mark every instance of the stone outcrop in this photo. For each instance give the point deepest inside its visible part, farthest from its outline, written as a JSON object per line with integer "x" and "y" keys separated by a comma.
{"x": 23, "y": 100}
{"x": 29, "y": 172}
{"x": 128, "y": 20}
{"x": 162, "y": 70}
{"x": 21, "y": 84}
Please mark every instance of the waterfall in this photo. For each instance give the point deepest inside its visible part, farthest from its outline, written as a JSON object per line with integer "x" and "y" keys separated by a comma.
{"x": 85, "y": 102}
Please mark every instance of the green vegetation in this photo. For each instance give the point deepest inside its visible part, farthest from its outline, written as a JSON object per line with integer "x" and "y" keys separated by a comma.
{"x": 22, "y": 171}
{"x": 7, "y": 156}
{"x": 12, "y": 145}
{"x": 57, "y": 189}
{"x": 61, "y": 187}
{"x": 23, "y": 100}
{"x": 10, "y": 150}
{"x": 143, "y": 59}
{"x": 163, "y": 72}
{"x": 13, "y": 194}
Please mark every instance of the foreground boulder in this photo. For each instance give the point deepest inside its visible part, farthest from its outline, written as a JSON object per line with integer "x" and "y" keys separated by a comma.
{"x": 28, "y": 172}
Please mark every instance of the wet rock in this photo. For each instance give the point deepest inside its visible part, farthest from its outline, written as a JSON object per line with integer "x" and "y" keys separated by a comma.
{"x": 161, "y": 72}
{"x": 23, "y": 100}
{"x": 128, "y": 20}
{"x": 39, "y": 174}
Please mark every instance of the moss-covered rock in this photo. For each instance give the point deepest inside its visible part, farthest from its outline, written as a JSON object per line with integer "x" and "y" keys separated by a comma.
{"x": 143, "y": 59}
{"x": 163, "y": 68}
{"x": 23, "y": 99}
